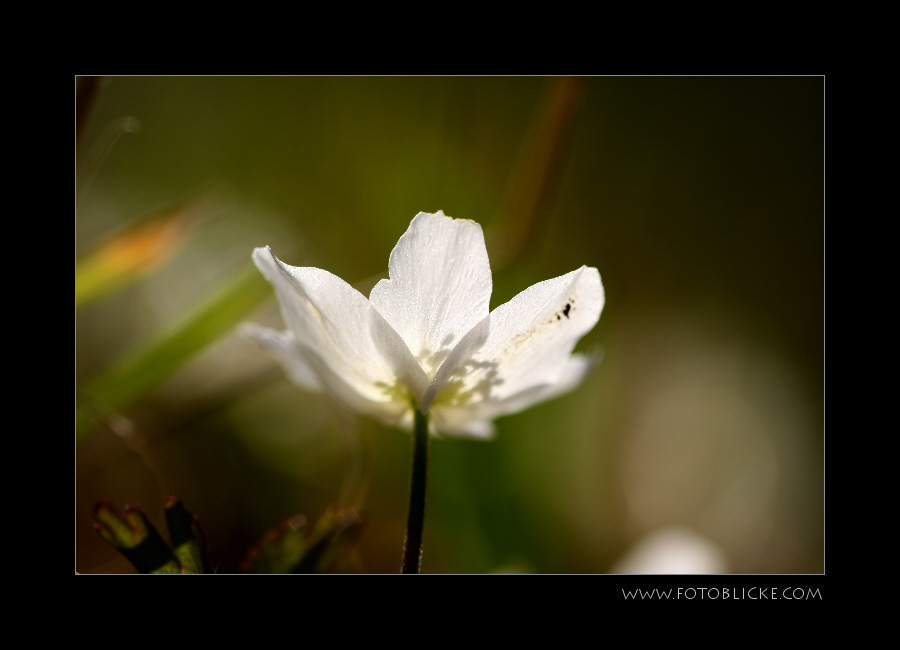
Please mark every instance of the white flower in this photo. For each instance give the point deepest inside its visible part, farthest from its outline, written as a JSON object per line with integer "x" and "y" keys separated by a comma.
{"x": 425, "y": 339}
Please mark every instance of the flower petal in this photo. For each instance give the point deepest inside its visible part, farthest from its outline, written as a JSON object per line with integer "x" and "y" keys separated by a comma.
{"x": 473, "y": 420}
{"x": 439, "y": 287}
{"x": 284, "y": 348}
{"x": 527, "y": 357}
{"x": 346, "y": 342}
{"x": 456, "y": 360}
{"x": 459, "y": 423}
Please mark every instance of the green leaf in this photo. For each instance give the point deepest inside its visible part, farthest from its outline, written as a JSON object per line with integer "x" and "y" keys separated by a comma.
{"x": 280, "y": 549}
{"x": 292, "y": 548}
{"x": 139, "y": 249}
{"x": 335, "y": 533}
{"x": 134, "y": 537}
{"x": 140, "y": 372}
{"x": 187, "y": 538}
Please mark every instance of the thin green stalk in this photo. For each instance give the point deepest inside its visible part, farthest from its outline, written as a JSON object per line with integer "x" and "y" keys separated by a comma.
{"x": 412, "y": 548}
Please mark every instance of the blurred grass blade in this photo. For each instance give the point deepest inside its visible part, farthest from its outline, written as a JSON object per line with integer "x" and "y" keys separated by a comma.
{"x": 534, "y": 178}
{"x": 134, "y": 537}
{"x": 85, "y": 94}
{"x": 187, "y": 538}
{"x": 136, "y": 251}
{"x": 136, "y": 375}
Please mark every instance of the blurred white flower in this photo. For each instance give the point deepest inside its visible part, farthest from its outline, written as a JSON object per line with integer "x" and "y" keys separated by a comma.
{"x": 673, "y": 550}
{"x": 425, "y": 339}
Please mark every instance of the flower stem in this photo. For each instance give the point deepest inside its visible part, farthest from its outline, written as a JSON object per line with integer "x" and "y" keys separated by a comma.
{"x": 412, "y": 548}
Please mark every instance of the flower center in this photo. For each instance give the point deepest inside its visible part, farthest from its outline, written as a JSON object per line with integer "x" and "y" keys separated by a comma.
{"x": 430, "y": 361}
{"x": 397, "y": 392}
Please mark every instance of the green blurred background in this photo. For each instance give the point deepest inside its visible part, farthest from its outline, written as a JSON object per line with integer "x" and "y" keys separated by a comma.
{"x": 699, "y": 199}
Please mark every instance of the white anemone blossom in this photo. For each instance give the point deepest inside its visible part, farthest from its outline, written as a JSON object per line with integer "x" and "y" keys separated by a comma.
{"x": 425, "y": 338}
